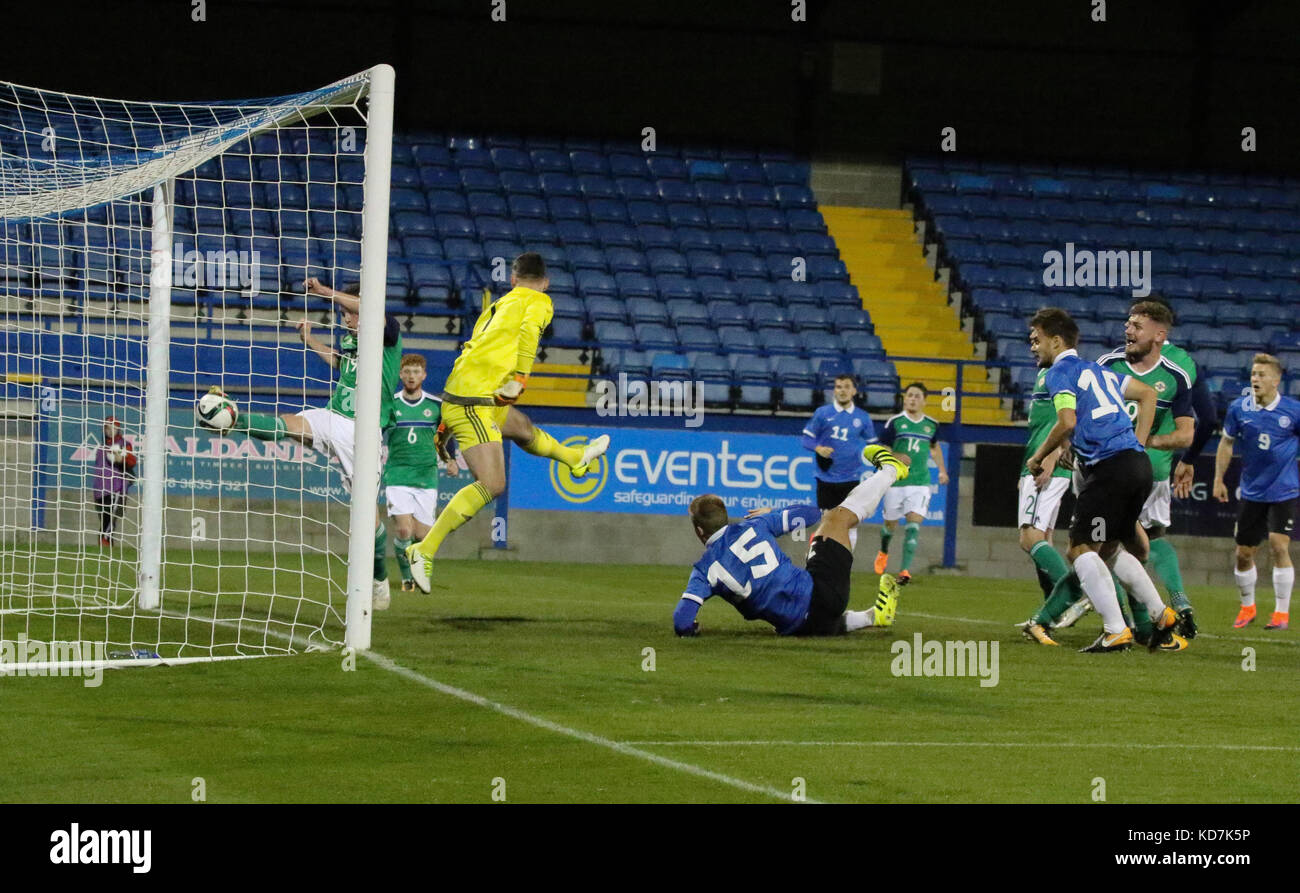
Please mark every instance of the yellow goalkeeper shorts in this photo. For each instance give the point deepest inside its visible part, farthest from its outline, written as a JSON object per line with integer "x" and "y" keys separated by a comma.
{"x": 472, "y": 425}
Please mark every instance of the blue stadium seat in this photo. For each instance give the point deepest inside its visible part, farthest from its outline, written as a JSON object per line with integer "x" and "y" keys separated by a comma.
{"x": 630, "y": 166}
{"x": 664, "y": 261}
{"x": 688, "y": 313}
{"x": 730, "y": 240}
{"x": 617, "y": 235}
{"x": 735, "y": 340}
{"x": 650, "y": 336}
{"x": 573, "y": 232}
{"x": 635, "y": 285}
{"x": 647, "y": 310}
{"x": 776, "y": 342}
{"x": 670, "y": 367}
{"x": 848, "y": 320}
{"x": 727, "y": 313}
{"x": 592, "y": 283}
{"x": 646, "y": 211}
{"x": 663, "y": 168}
{"x": 565, "y": 331}
{"x": 613, "y": 334}
{"x": 696, "y": 337}
{"x": 681, "y": 214}
{"x": 585, "y": 257}
{"x": 863, "y": 344}
{"x": 760, "y": 219}
{"x": 495, "y": 228}
{"x": 792, "y": 371}
{"x": 693, "y": 238}
{"x": 604, "y": 210}
{"x": 672, "y": 286}
{"x": 596, "y": 186}
{"x": 767, "y": 315}
{"x": 708, "y": 367}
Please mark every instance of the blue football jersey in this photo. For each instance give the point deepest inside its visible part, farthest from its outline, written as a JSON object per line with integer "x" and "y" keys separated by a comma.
{"x": 743, "y": 564}
{"x": 1268, "y": 437}
{"x": 1102, "y": 428}
{"x": 846, "y": 431}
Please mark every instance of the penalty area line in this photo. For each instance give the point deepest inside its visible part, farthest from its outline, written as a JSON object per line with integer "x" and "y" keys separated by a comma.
{"x": 621, "y": 747}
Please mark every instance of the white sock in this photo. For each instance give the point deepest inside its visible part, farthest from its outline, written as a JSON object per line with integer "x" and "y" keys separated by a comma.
{"x": 1283, "y": 580}
{"x": 859, "y": 619}
{"x": 853, "y": 538}
{"x": 863, "y": 499}
{"x": 1097, "y": 584}
{"x": 1137, "y": 581}
{"x": 1245, "y": 585}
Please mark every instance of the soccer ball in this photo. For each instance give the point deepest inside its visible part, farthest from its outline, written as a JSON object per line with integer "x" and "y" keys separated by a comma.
{"x": 216, "y": 410}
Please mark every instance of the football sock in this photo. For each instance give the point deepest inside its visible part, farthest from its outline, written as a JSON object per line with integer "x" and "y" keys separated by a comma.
{"x": 911, "y": 534}
{"x": 1135, "y": 579}
{"x": 1246, "y": 585}
{"x": 1097, "y": 583}
{"x": 1064, "y": 593}
{"x": 1283, "y": 580}
{"x": 261, "y": 425}
{"x": 853, "y": 538}
{"x": 400, "y": 546}
{"x": 1049, "y": 562}
{"x": 548, "y": 447}
{"x": 885, "y": 536}
{"x": 1044, "y": 582}
{"x": 859, "y": 619}
{"x": 1164, "y": 559}
{"x": 463, "y": 506}
{"x": 381, "y": 545}
{"x": 863, "y": 499}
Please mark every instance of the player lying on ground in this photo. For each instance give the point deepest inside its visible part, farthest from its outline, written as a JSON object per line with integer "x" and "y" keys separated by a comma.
{"x": 913, "y": 433}
{"x": 743, "y": 564}
{"x": 332, "y": 430}
{"x": 488, "y": 377}
{"x": 1268, "y": 426}
{"x": 837, "y": 433}
{"x": 411, "y": 472}
{"x": 1116, "y": 479}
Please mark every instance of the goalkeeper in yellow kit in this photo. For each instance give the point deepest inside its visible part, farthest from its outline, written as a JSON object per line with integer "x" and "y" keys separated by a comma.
{"x": 487, "y": 378}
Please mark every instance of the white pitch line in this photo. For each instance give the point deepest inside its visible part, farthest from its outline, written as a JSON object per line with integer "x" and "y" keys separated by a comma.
{"x": 1038, "y": 744}
{"x": 621, "y": 747}
{"x": 392, "y": 666}
{"x": 1280, "y": 640}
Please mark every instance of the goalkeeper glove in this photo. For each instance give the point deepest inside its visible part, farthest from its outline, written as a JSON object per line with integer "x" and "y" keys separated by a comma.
{"x": 509, "y": 392}
{"x": 440, "y": 440}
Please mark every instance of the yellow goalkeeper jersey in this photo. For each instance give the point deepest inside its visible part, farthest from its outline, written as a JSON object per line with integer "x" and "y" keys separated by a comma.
{"x": 504, "y": 342}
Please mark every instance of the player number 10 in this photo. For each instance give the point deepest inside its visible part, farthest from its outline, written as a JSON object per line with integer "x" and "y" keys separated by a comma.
{"x": 1104, "y": 406}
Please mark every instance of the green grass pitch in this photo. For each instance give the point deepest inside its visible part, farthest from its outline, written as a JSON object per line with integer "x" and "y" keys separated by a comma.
{"x": 736, "y": 715}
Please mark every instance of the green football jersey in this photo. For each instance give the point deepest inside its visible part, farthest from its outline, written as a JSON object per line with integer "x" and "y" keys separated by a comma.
{"x": 412, "y": 456}
{"x": 913, "y": 437}
{"x": 1173, "y": 386}
{"x": 1180, "y": 358}
{"x": 1042, "y": 418}
{"x": 343, "y": 400}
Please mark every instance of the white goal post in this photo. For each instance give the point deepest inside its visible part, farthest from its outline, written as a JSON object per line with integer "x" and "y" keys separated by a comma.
{"x": 149, "y": 251}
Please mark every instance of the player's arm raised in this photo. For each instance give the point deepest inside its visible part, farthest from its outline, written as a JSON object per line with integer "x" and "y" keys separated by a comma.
{"x": 322, "y": 350}
{"x": 343, "y": 299}
{"x": 1145, "y": 398}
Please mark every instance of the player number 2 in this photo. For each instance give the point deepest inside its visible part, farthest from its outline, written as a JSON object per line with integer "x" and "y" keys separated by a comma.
{"x": 1104, "y": 406}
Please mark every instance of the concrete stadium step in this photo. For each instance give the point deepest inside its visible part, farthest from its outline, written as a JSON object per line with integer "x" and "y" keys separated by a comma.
{"x": 908, "y": 308}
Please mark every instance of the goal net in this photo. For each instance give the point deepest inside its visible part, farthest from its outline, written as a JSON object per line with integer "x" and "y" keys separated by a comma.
{"x": 148, "y": 252}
